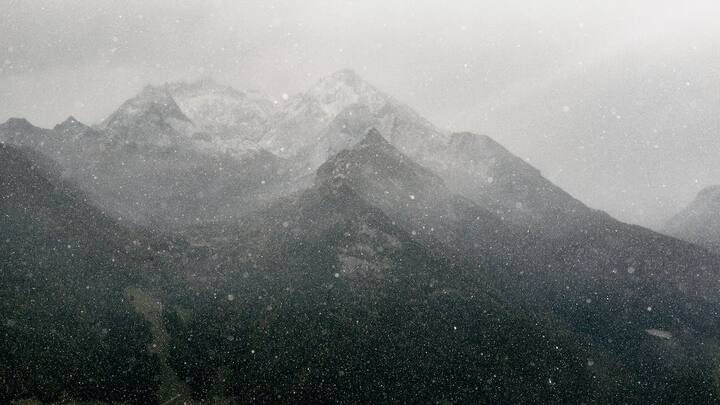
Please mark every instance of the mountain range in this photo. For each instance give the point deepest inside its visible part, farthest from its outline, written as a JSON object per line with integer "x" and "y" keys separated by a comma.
{"x": 333, "y": 247}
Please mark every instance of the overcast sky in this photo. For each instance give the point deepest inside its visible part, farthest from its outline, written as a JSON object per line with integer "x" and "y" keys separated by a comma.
{"x": 616, "y": 101}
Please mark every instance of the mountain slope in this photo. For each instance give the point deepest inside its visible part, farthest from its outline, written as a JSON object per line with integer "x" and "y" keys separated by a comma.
{"x": 381, "y": 241}
{"x": 326, "y": 298}
{"x": 610, "y": 282}
{"x": 418, "y": 200}
{"x": 146, "y": 164}
{"x": 66, "y": 326}
{"x": 657, "y": 283}
{"x": 482, "y": 170}
{"x": 699, "y": 223}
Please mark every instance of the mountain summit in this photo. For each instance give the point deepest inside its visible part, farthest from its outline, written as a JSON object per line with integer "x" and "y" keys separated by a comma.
{"x": 151, "y": 118}
{"x": 337, "y": 112}
{"x": 221, "y": 111}
{"x": 700, "y": 222}
{"x": 71, "y": 127}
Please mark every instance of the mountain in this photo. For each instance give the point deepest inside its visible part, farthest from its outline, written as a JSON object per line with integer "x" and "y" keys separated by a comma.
{"x": 699, "y": 223}
{"x": 329, "y": 259}
{"x": 72, "y": 129}
{"x": 418, "y": 200}
{"x": 609, "y": 281}
{"x": 227, "y": 114}
{"x": 336, "y": 113}
{"x": 72, "y": 144}
{"x": 21, "y": 131}
{"x": 151, "y": 119}
{"x": 482, "y": 170}
{"x": 66, "y": 326}
{"x": 311, "y": 127}
{"x": 323, "y": 296}
{"x": 378, "y": 232}
{"x": 147, "y": 162}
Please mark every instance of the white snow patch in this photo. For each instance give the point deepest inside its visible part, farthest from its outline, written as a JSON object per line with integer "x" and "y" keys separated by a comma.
{"x": 662, "y": 334}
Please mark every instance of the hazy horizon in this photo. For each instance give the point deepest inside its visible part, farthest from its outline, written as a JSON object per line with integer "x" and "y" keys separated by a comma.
{"x": 616, "y": 103}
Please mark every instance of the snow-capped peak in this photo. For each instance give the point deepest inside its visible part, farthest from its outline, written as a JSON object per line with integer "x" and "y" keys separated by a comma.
{"x": 222, "y": 111}
{"x": 338, "y": 91}
{"x": 152, "y": 117}
{"x": 336, "y": 113}
{"x": 151, "y": 101}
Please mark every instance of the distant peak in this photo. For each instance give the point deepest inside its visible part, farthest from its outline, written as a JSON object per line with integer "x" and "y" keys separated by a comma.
{"x": 375, "y": 143}
{"x": 347, "y": 76}
{"x": 18, "y": 123}
{"x": 208, "y": 85}
{"x": 710, "y": 192}
{"x": 153, "y": 92}
{"x": 151, "y": 101}
{"x": 334, "y": 93}
{"x": 153, "y": 95}
{"x": 70, "y": 123}
{"x": 374, "y": 159}
{"x": 373, "y": 137}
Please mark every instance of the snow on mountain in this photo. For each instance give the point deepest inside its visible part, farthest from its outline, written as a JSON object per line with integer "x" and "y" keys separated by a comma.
{"x": 203, "y": 116}
{"x": 151, "y": 118}
{"x": 222, "y": 111}
{"x": 341, "y": 89}
{"x": 206, "y": 118}
{"x": 337, "y": 112}
{"x": 331, "y": 116}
